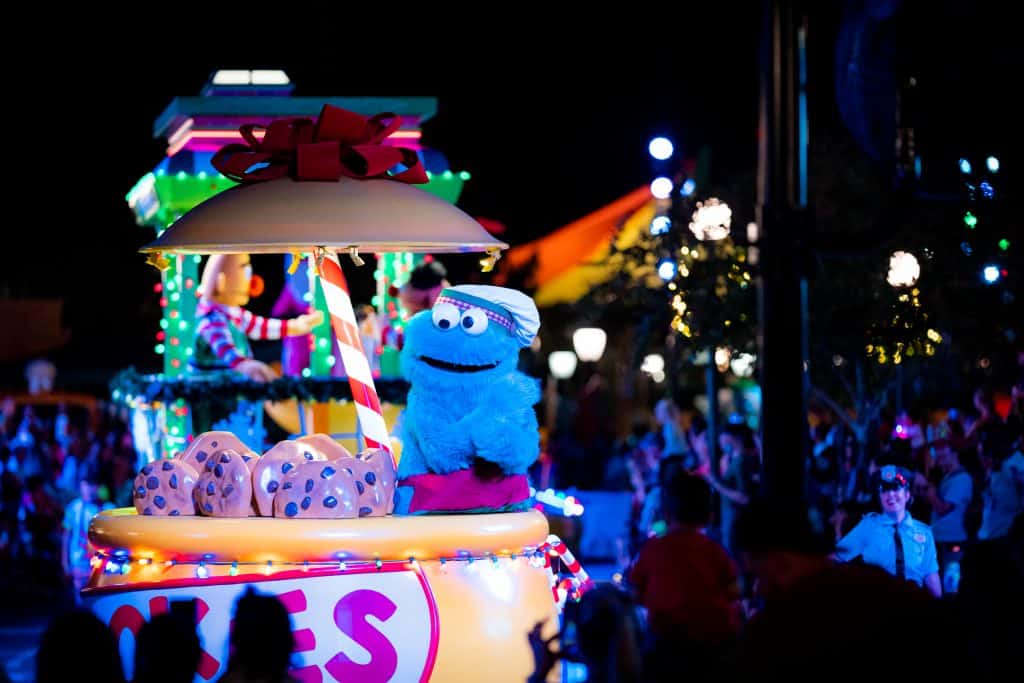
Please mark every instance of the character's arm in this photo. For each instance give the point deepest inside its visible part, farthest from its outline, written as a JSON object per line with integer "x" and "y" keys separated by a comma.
{"x": 504, "y": 426}
{"x": 213, "y": 327}
{"x": 257, "y": 327}
{"x": 851, "y": 545}
{"x": 441, "y": 445}
{"x": 412, "y": 461}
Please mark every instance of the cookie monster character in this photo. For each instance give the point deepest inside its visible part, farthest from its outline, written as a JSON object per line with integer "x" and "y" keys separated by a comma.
{"x": 469, "y": 432}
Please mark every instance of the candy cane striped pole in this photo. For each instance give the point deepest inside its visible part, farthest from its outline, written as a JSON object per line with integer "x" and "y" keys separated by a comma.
{"x": 353, "y": 360}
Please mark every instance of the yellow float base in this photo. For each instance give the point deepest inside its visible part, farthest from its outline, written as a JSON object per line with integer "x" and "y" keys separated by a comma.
{"x": 446, "y": 598}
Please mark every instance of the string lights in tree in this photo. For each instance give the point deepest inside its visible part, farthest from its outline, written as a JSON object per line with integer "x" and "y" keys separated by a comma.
{"x": 711, "y": 291}
{"x": 904, "y": 330}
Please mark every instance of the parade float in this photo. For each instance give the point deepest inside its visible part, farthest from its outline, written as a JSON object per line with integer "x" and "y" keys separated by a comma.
{"x": 446, "y": 590}
{"x": 168, "y": 408}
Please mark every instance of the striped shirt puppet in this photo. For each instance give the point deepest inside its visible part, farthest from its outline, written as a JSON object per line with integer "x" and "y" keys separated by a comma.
{"x": 223, "y": 324}
{"x": 214, "y": 327}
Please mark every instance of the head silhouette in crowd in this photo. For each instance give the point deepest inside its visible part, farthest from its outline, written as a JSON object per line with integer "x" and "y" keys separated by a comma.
{"x": 166, "y": 650}
{"x": 77, "y": 646}
{"x": 261, "y": 639}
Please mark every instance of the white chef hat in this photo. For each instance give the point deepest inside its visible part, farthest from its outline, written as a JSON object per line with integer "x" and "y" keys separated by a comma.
{"x": 509, "y": 308}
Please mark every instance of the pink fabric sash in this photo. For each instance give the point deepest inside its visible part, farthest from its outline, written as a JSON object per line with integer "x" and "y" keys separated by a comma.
{"x": 462, "y": 490}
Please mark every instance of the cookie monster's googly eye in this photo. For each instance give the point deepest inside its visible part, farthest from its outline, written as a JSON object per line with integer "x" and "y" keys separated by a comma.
{"x": 474, "y": 321}
{"x": 445, "y": 316}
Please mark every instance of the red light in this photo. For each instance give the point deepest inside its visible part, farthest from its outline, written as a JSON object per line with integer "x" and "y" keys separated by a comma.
{"x": 158, "y": 288}
{"x": 176, "y": 363}
{"x": 163, "y": 301}
{"x": 189, "y": 282}
{"x": 175, "y": 341}
{"x": 1004, "y": 272}
{"x": 161, "y": 335}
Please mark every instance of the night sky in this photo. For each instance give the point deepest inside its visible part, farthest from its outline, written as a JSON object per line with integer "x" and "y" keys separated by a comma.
{"x": 551, "y": 120}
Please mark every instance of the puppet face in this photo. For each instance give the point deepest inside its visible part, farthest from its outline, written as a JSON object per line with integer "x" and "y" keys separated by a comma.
{"x": 449, "y": 346}
{"x": 415, "y": 300}
{"x": 228, "y": 279}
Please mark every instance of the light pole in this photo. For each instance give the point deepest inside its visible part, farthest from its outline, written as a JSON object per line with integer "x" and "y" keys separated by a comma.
{"x": 782, "y": 205}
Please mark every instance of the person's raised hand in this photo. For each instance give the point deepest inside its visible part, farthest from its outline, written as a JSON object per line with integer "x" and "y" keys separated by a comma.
{"x": 305, "y": 323}
{"x": 544, "y": 657}
{"x": 256, "y": 370}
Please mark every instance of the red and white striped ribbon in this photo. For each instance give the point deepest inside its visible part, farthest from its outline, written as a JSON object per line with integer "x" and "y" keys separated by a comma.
{"x": 552, "y": 579}
{"x": 353, "y": 360}
{"x": 557, "y": 546}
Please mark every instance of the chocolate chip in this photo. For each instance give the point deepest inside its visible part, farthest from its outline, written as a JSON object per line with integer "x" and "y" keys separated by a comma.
{"x": 141, "y": 491}
{"x": 246, "y": 458}
{"x": 272, "y": 486}
{"x": 167, "y": 465}
{"x": 309, "y": 456}
{"x": 224, "y": 457}
{"x": 147, "y": 469}
{"x": 213, "y": 444}
{"x": 159, "y": 502}
{"x": 219, "y": 470}
{"x": 152, "y": 483}
{"x": 330, "y": 501}
{"x": 286, "y": 467}
{"x": 227, "y": 490}
{"x": 147, "y": 511}
{"x": 210, "y": 488}
{"x": 287, "y": 485}
{"x": 291, "y": 509}
{"x": 207, "y": 507}
{"x": 174, "y": 481}
{"x": 327, "y": 472}
{"x": 349, "y": 470}
{"x": 201, "y": 456}
{"x": 370, "y": 478}
{"x": 174, "y": 513}
{"x": 360, "y": 487}
{"x": 365, "y": 511}
{"x": 306, "y": 502}
{"x": 309, "y": 485}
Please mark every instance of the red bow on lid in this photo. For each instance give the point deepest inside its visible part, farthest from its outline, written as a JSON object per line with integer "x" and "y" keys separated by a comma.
{"x": 340, "y": 143}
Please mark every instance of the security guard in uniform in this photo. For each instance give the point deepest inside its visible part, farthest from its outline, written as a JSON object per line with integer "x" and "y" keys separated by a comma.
{"x": 892, "y": 539}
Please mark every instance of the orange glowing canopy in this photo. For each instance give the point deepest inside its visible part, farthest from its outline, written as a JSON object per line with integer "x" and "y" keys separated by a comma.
{"x": 569, "y": 260}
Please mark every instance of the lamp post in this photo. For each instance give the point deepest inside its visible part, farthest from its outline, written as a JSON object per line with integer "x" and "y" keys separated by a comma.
{"x": 562, "y": 364}
{"x": 783, "y": 218}
{"x": 589, "y": 343}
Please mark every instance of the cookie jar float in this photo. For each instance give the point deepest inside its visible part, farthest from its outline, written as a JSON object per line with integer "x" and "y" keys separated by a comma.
{"x": 425, "y": 565}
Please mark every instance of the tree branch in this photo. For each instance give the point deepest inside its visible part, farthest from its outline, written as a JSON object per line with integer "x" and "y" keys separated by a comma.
{"x": 846, "y": 385}
{"x": 835, "y": 407}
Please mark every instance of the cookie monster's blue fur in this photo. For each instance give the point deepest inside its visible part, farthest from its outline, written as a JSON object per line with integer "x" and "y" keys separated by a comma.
{"x": 453, "y": 417}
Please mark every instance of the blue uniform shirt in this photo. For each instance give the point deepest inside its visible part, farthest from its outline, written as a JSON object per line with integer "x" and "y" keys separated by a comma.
{"x": 872, "y": 539}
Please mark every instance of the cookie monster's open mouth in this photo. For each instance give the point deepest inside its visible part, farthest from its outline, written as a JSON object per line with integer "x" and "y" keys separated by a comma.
{"x": 455, "y": 367}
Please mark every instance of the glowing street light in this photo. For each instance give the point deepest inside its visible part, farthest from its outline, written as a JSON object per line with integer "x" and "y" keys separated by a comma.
{"x": 562, "y": 364}
{"x": 711, "y": 220}
{"x": 589, "y": 343}
{"x": 903, "y": 269}
{"x": 661, "y": 187}
{"x": 660, "y": 148}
